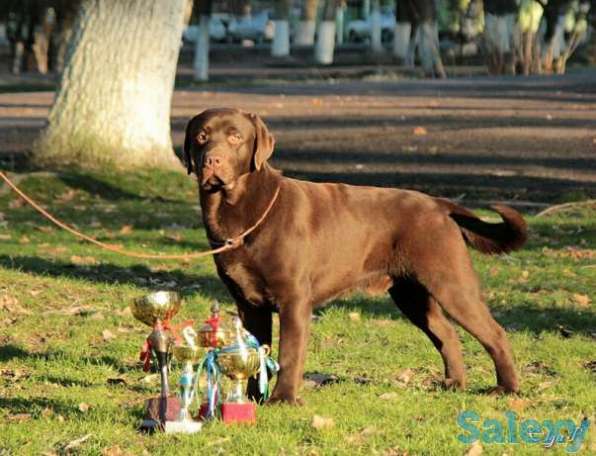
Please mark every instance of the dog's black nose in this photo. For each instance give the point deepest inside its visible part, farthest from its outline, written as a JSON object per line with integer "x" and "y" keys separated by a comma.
{"x": 212, "y": 161}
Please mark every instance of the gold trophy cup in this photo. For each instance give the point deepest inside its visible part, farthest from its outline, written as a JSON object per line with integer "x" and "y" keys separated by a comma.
{"x": 156, "y": 310}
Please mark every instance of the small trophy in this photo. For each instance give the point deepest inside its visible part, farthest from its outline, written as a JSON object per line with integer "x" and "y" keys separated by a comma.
{"x": 235, "y": 353}
{"x": 156, "y": 310}
{"x": 188, "y": 353}
{"x": 238, "y": 362}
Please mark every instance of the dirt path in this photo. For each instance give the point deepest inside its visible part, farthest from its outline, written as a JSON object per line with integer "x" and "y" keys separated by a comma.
{"x": 484, "y": 138}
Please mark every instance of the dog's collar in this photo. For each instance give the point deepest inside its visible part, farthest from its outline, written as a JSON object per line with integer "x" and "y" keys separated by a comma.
{"x": 237, "y": 241}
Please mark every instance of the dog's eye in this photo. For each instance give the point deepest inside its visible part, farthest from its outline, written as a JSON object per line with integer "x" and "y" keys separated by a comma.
{"x": 235, "y": 138}
{"x": 202, "y": 138}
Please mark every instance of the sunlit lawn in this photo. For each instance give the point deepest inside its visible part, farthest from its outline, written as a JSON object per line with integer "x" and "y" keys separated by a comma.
{"x": 69, "y": 346}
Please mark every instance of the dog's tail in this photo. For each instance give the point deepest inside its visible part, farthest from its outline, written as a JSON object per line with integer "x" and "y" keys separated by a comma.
{"x": 490, "y": 238}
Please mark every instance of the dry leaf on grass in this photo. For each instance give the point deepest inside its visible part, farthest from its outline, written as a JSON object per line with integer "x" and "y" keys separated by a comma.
{"x": 474, "y": 450}
{"x": 84, "y": 407}
{"x": 76, "y": 443}
{"x": 389, "y": 396}
{"x": 321, "y": 422}
{"x": 5, "y": 237}
{"x": 354, "y": 316}
{"x": 420, "y": 131}
{"x": 19, "y": 417}
{"x": 518, "y": 404}
{"x": 16, "y": 203}
{"x": 114, "y": 451}
{"x": 83, "y": 260}
{"x": 581, "y": 300}
{"x": 11, "y": 305}
{"x": 405, "y": 376}
{"x": 106, "y": 335}
{"x": 126, "y": 229}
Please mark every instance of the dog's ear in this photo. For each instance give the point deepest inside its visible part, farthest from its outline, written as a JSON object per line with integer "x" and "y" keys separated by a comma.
{"x": 264, "y": 142}
{"x": 187, "y": 148}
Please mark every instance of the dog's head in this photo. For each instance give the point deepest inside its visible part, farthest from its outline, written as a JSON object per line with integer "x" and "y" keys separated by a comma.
{"x": 223, "y": 144}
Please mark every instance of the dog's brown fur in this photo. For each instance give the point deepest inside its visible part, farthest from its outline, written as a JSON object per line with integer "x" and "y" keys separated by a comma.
{"x": 323, "y": 240}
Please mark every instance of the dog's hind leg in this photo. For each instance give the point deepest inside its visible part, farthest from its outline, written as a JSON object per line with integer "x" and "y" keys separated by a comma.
{"x": 457, "y": 290}
{"x": 422, "y": 310}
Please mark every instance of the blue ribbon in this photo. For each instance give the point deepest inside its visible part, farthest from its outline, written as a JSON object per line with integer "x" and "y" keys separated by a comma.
{"x": 210, "y": 366}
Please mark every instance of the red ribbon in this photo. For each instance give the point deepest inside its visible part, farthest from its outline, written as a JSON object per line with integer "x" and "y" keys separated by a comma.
{"x": 214, "y": 323}
{"x": 145, "y": 355}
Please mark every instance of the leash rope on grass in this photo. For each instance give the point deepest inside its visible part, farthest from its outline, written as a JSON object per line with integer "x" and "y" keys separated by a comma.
{"x": 229, "y": 244}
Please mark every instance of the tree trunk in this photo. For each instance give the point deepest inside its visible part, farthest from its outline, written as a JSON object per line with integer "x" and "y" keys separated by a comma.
{"x": 305, "y": 33}
{"x": 326, "y": 37}
{"x": 201, "y": 57}
{"x": 281, "y": 37}
{"x": 375, "y": 32}
{"x": 113, "y": 103}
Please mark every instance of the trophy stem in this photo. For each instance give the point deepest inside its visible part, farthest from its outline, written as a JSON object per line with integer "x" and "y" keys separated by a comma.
{"x": 236, "y": 394}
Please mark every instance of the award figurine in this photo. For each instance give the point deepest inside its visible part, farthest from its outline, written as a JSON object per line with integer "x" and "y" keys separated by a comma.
{"x": 156, "y": 310}
{"x": 188, "y": 353}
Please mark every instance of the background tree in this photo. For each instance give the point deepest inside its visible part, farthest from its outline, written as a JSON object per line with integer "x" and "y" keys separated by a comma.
{"x": 325, "y": 44}
{"x": 305, "y": 32}
{"x": 375, "y": 27}
{"x": 500, "y": 28}
{"x": 201, "y": 54}
{"x": 113, "y": 102}
{"x": 281, "y": 38}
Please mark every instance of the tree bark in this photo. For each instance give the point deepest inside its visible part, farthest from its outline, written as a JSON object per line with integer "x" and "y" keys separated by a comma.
{"x": 281, "y": 37}
{"x": 305, "y": 34}
{"x": 113, "y": 103}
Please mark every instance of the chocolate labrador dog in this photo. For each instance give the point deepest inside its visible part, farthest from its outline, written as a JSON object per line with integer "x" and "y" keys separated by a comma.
{"x": 317, "y": 241}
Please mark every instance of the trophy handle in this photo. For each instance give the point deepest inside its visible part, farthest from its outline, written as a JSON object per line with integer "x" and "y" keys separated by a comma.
{"x": 266, "y": 349}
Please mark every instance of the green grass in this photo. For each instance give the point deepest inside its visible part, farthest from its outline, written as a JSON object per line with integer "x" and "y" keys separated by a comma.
{"x": 63, "y": 293}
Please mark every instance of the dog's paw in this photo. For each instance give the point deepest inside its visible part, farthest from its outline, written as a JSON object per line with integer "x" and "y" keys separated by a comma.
{"x": 283, "y": 399}
{"x": 451, "y": 384}
{"x": 499, "y": 391}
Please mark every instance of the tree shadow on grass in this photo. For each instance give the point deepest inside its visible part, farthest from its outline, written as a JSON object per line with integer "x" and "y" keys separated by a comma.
{"x": 36, "y": 405}
{"x": 566, "y": 322}
{"x": 138, "y": 274}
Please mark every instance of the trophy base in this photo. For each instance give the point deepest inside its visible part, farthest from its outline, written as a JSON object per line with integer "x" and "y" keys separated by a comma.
{"x": 182, "y": 427}
{"x": 159, "y": 410}
{"x": 239, "y": 413}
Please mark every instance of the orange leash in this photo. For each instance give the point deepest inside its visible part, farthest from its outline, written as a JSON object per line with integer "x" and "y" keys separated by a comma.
{"x": 230, "y": 244}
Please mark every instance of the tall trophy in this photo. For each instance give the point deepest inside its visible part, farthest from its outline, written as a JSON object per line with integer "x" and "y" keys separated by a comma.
{"x": 188, "y": 353}
{"x": 156, "y": 310}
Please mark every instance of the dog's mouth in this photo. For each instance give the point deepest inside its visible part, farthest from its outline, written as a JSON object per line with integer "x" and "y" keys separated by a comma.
{"x": 212, "y": 181}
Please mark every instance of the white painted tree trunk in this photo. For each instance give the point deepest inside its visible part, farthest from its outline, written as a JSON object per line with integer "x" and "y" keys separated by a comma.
{"x": 281, "y": 38}
{"x": 325, "y": 43}
{"x": 201, "y": 57}
{"x": 375, "y": 25}
{"x": 339, "y": 25}
{"x": 401, "y": 40}
{"x": 305, "y": 33}
{"x": 113, "y": 103}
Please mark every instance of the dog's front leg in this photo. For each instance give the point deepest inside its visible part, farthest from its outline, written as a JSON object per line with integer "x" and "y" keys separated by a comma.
{"x": 294, "y": 321}
{"x": 257, "y": 321}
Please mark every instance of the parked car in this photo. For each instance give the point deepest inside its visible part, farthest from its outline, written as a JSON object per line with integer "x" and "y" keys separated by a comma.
{"x": 257, "y": 27}
{"x": 217, "y": 31}
{"x": 360, "y": 29}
